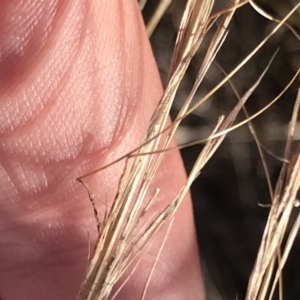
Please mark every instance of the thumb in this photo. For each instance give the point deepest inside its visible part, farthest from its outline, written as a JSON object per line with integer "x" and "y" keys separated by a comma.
{"x": 78, "y": 87}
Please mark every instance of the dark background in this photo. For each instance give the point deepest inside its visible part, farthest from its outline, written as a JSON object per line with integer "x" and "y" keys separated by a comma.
{"x": 228, "y": 218}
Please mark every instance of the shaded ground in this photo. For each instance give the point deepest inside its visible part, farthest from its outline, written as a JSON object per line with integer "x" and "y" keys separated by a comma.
{"x": 226, "y": 195}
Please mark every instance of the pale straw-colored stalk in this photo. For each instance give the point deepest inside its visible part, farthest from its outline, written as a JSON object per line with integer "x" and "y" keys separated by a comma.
{"x": 120, "y": 245}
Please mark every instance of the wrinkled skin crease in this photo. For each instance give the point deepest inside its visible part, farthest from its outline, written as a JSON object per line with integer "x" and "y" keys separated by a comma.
{"x": 78, "y": 86}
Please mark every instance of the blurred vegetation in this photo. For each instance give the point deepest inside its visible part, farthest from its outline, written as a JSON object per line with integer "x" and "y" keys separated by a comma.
{"x": 226, "y": 195}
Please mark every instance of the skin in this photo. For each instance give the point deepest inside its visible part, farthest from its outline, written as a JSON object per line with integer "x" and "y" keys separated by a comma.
{"x": 78, "y": 85}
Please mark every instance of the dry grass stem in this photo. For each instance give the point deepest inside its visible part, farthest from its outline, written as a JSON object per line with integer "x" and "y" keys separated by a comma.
{"x": 279, "y": 217}
{"x": 158, "y": 14}
{"x": 123, "y": 240}
{"x": 271, "y": 18}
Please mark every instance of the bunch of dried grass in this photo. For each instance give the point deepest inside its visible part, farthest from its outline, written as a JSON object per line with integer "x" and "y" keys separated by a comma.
{"x": 118, "y": 246}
